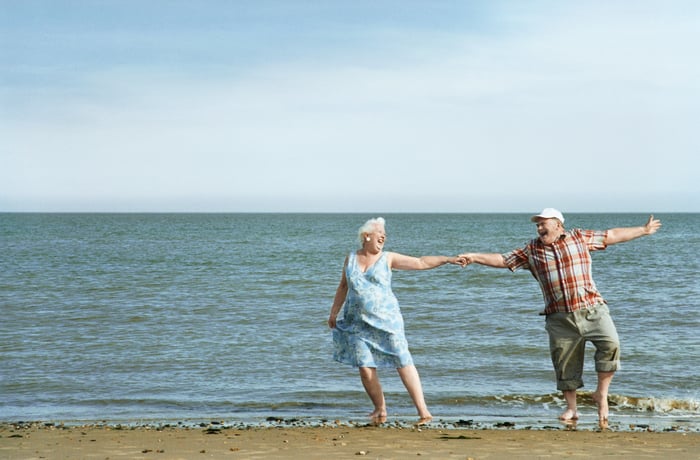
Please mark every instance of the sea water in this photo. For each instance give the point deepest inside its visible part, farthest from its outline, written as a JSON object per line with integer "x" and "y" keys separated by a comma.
{"x": 170, "y": 317}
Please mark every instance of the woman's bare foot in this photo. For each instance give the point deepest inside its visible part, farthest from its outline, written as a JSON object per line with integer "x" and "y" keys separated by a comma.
{"x": 378, "y": 416}
{"x": 569, "y": 415}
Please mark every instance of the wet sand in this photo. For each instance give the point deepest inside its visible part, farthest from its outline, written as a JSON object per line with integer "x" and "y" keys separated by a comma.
{"x": 40, "y": 441}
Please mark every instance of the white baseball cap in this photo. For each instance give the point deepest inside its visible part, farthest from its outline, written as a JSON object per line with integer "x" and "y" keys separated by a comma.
{"x": 548, "y": 213}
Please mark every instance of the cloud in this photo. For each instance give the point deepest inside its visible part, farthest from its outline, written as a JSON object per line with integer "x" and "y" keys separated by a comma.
{"x": 462, "y": 118}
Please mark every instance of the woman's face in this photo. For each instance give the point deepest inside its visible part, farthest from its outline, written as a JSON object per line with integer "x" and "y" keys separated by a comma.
{"x": 376, "y": 240}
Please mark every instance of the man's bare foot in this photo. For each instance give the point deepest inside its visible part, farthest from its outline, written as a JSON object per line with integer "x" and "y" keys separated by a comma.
{"x": 424, "y": 420}
{"x": 602, "y": 402}
{"x": 569, "y": 415}
{"x": 570, "y": 425}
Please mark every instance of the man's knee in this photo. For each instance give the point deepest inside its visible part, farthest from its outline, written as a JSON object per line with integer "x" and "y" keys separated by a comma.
{"x": 607, "y": 356}
{"x": 569, "y": 384}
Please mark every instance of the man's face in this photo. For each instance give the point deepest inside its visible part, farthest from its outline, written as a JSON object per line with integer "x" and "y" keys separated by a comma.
{"x": 549, "y": 230}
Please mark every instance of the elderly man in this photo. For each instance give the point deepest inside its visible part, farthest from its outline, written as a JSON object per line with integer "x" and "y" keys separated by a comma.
{"x": 575, "y": 311}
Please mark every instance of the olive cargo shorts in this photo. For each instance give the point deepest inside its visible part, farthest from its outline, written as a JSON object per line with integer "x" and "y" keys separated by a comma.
{"x": 568, "y": 333}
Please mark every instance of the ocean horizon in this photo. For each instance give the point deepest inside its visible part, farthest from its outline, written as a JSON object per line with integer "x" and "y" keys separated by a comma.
{"x": 175, "y": 317}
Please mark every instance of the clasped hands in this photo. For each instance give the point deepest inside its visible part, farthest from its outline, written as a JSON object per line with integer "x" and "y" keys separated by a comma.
{"x": 462, "y": 260}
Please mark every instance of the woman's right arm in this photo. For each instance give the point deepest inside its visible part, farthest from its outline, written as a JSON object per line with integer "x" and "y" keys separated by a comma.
{"x": 339, "y": 298}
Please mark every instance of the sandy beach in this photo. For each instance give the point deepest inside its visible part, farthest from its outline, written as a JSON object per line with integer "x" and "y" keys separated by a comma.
{"x": 40, "y": 441}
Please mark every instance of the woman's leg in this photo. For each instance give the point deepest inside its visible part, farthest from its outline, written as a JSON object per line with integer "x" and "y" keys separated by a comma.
{"x": 370, "y": 380}
{"x": 411, "y": 380}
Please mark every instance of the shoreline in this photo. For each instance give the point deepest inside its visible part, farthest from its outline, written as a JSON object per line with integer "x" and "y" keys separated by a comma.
{"x": 334, "y": 440}
{"x": 513, "y": 424}
{"x": 587, "y": 422}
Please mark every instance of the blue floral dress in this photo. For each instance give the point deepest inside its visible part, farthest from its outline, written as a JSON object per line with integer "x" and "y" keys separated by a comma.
{"x": 370, "y": 332}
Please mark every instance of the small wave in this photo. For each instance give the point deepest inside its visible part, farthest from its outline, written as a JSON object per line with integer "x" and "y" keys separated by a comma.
{"x": 688, "y": 406}
{"x": 659, "y": 405}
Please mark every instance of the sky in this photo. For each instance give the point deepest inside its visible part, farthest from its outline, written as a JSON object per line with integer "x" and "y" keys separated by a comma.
{"x": 349, "y": 106}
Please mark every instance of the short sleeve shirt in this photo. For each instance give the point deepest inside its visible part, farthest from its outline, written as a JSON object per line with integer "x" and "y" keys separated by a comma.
{"x": 563, "y": 269}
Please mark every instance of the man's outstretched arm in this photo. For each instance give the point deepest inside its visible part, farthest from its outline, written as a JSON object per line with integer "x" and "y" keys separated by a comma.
{"x": 622, "y": 234}
{"x": 489, "y": 259}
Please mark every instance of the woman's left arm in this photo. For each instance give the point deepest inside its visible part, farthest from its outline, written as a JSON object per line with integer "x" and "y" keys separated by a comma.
{"x": 622, "y": 234}
{"x": 403, "y": 262}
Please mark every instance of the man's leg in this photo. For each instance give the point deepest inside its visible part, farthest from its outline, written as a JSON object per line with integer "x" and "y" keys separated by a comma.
{"x": 571, "y": 412}
{"x": 604, "y": 336}
{"x": 601, "y": 395}
{"x": 567, "y": 349}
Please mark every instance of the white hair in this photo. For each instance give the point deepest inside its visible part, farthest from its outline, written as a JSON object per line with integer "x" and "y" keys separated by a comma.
{"x": 370, "y": 226}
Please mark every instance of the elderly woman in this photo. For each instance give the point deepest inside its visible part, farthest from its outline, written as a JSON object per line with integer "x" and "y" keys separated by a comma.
{"x": 370, "y": 333}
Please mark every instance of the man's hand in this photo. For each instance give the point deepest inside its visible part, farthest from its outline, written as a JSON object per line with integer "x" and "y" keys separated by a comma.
{"x": 651, "y": 226}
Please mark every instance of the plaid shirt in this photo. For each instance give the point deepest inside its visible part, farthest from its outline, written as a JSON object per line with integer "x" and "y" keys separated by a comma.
{"x": 563, "y": 269}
